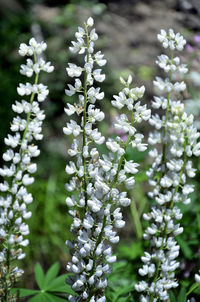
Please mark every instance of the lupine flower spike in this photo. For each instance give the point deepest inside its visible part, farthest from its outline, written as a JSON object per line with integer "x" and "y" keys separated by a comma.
{"x": 168, "y": 175}
{"x": 19, "y": 168}
{"x": 95, "y": 203}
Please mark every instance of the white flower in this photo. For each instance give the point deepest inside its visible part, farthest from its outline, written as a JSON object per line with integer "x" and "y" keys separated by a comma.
{"x": 99, "y": 58}
{"x": 73, "y": 70}
{"x": 72, "y": 127}
{"x": 131, "y": 167}
{"x": 90, "y": 22}
{"x": 197, "y": 278}
{"x": 98, "y": 76}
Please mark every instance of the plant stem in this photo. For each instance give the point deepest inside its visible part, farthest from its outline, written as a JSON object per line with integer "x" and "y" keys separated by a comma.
{"x": 84, "y": 123}
{"x": 167, "y": 112}
{"x": 136, "y": 219}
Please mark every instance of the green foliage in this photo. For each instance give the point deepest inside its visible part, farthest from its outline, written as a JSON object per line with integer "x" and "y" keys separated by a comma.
{"x": 131, "y": 251}
{"x": 120, "y": 283}
{"x": 51, "y": 287}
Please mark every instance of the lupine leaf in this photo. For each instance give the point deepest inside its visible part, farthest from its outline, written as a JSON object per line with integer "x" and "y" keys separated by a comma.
{"x": 24, "y": 292}
{"x": 42, "y": 297}
{"x": 182, "y": 295}
{"x": 59, "y": 285}
{"x": 185, "y": 248}
{"x": 172, "y": 297}
{"x": 51, "y": 274}
{"x": 192, "y": 288}
{"x": 39, "y": 275}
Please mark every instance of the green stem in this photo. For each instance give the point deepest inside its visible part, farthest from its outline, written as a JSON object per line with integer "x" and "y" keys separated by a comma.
{"x": 136, "y": 219}
{"x": 84, "y": 124}
{"x": 167, "y": 112}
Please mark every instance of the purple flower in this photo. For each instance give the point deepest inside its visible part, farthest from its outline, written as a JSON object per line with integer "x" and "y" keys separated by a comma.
{"x": 190, "y": 48}
{"x": 124, "y": 138}
{"x": 197, "y": 38}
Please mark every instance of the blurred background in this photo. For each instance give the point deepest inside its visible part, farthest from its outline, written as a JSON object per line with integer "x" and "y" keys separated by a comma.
{"x": 127, "y": 35}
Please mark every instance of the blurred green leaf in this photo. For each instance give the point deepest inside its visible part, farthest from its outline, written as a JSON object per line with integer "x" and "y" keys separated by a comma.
{"x": 45, "y": 297}
{"x": 39, "y": 275}
{"x": 182, "y": 295}
{"x": 185, "y": 248}
{"x": 23, "y": 292}
{"x": 132, "y": 251}
{"x": 172, "y": 297}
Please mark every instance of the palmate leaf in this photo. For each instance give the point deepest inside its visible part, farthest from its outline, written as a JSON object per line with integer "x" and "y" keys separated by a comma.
{"x": 24, "y": 292}
{"x": 59, "y": 285}
{"x": 51, "y": 288}
{"x": 51, "y": 274}
{"x": 46, "y": 297}
{"x": 39, "y": 276}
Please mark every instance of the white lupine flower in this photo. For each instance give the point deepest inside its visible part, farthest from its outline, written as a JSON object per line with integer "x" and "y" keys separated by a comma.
{"x": 72, "y": 128}
{"x": 99, "y": 58}
{"x": 13, "y": 206}
{"x": 74, "y": 71}
{"x": 95, "y": 177}
{"x": 167, "y": 176}
{"x": 131, "y": 167}
{"x": 98, "y": 76}
{"x": 90, "y": 22}
{"x": 197, "y": 278}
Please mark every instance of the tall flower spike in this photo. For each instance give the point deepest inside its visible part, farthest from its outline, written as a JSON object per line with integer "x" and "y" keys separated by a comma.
{"x": 17, "y": 172}
{"x": 168, "y": 176}
{"x": 96, "y": 209}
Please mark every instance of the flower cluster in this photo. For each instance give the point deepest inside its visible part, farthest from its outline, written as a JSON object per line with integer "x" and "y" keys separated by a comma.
{"x": 19, "y": 169}
{"x": 95, "y": 202}
{"x": 168, "y": 176}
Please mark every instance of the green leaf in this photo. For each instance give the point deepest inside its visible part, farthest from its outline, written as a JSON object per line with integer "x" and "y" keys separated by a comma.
{"x": 59, "y": 285}
{"x": 131, "y": 251}
{"x": 23, "y": 292}
{"x": 42, "y": 297}
{"x": 182, "y": 295}
{"x": 53, "y": 298}
{"x": 39, "y": 276}
{"x": 185, "y": 248}
{"x": 172, "y": 297}
{"x": 192, "y": 288}
{"x": 51, "y": 274}
{"x": 124, "y": 290}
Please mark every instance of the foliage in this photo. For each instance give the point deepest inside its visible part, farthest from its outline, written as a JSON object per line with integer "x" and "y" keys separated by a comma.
{"x": 51, "y": 287}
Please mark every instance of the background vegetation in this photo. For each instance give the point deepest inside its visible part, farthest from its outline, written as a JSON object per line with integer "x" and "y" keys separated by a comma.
{"x": 127, "y": 32}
